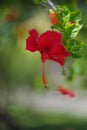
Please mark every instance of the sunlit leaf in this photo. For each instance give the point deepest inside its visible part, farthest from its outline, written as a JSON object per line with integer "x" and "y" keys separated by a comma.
{"x": 72, "y": 30}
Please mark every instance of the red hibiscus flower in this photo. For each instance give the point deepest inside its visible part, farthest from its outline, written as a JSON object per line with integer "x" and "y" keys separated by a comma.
{"x": 50, "y": 46}
{"x": 53, "y": 17}
{"x": 65, "y": 91}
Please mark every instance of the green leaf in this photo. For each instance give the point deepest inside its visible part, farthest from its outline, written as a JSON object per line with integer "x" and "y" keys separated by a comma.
{"x": 72, "y": 30}
{"x": 59, "y": 27}
{"x": 75, "y": 16}
{"x": 75, "y": 48}
{"x": 76, "y": 55}
{"x": 64, "y": 14}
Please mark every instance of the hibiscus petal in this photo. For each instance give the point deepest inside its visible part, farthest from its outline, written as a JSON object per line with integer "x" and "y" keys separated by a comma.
{"x": 33, "y": 33}
{"x": 48, "y": 39}
{"x": 45, "y": 56}
{"x": 65, "y": 91}
{"x": 31, "y": 41}
{"x": 59, "y": 60}
{"x": 49, "y": 44}
{"x": 59, "y": 53}
{"x": 72, "y": 94}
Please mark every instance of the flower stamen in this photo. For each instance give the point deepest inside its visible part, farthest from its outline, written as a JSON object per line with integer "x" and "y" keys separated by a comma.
{"x": 44, "y": 80}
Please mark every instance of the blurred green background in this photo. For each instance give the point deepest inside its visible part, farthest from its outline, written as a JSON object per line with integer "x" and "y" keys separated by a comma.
{"x": 24, "y": 105}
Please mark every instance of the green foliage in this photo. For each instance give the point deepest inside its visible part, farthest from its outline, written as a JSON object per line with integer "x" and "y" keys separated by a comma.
{"x": 71, "y": 30}
{"x": 75, "y": 47}
{"x": 69, "y": 25}
{"x": 63, "y": 14}
{"x": 39, "y": 1}
{"x": 75, "y": 16}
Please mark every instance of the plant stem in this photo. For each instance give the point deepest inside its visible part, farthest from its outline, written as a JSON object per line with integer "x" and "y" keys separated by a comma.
{"x": 51, "y": 4}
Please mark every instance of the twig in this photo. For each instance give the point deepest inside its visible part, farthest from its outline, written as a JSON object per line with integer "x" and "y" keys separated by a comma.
{"x": 51, "y": 4}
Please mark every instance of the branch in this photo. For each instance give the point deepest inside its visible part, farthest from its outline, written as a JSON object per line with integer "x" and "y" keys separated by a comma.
{"x": 51, "y": 4}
